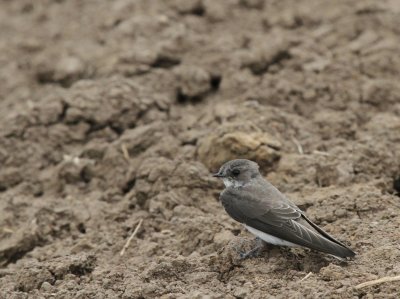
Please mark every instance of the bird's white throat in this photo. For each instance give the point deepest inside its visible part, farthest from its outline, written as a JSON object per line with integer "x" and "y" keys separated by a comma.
{"x": 232, "y": 183}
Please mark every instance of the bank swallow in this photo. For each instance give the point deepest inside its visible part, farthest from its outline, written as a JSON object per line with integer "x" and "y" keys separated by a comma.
{"x": 270, "y": 215}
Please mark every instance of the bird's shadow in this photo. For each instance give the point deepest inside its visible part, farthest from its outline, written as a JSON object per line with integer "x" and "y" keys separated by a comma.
{"x": 299, "y": 259}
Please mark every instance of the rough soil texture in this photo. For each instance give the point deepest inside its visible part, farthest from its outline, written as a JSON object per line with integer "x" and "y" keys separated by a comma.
{"x": 117, "y": 111}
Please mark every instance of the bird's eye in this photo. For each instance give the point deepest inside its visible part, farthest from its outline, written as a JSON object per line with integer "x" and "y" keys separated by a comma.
{"x": 235, "y": 172}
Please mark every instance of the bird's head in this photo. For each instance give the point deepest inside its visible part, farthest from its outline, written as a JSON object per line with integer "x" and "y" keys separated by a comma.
{"x": 237, "y": 173}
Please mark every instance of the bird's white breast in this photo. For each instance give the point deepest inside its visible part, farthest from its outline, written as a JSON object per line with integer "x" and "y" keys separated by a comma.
{"x": 268, "y": 238}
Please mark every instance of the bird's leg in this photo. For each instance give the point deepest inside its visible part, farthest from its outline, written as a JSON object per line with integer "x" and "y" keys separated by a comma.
{"x": 254, "y": 252}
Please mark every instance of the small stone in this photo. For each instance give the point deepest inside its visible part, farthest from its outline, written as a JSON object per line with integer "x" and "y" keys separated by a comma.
{"x": 223, "y": 237}
{"x": 333, "y": 272}
{"x": 241, "y": 292}
{"x": 46, "y": 286}
{"x": 341, "y": 212}
{"x": 193, "y": 82}
{"x": 69, "y": 67}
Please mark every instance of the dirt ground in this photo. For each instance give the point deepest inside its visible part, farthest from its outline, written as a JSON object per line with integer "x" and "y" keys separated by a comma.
{"x": 116, "y": 112}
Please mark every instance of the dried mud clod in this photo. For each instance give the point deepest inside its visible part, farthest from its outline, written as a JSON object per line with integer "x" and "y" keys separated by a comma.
{"x": 228, "y": 143}
{"x": 34, "y": 276}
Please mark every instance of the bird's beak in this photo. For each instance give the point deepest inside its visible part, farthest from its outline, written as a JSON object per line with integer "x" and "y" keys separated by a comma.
{"x": 218, "y": 175}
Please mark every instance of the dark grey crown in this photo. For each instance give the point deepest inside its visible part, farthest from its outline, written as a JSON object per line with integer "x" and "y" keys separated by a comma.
{"x": 236, "y": 168}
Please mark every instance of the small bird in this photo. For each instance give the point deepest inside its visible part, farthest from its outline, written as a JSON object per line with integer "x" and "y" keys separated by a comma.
{"x": 270, "y": 215}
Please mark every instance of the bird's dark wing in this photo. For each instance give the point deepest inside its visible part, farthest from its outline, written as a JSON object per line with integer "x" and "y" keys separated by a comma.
{"x": 282, "y": 220}
{"x": 324, "y": 233}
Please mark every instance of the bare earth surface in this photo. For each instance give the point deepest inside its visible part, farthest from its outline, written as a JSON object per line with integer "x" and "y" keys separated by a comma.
{"x": 112, "y": 112}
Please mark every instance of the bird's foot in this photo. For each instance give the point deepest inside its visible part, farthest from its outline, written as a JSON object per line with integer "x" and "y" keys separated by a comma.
{"x": 254, "y": 252}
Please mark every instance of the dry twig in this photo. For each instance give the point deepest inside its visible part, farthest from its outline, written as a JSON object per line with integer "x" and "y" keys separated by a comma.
{"x": 307, "y": 276}
{"x": 321, "y": 153}
{"x": 298, "y": 145}
{"x": 131, "y": 237}
{"x": 125, "y": 152}
{"x": 377, "y": 281}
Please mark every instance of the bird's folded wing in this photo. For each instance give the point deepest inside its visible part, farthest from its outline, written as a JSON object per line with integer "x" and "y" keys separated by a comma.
{"x": 283, "y": 221}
